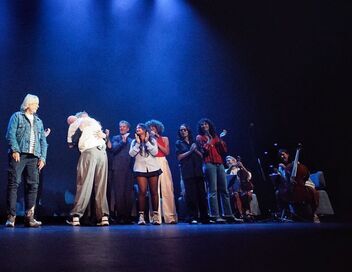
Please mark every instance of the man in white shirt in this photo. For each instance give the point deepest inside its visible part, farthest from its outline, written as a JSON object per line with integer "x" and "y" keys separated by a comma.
{"x": 91, "y": 171}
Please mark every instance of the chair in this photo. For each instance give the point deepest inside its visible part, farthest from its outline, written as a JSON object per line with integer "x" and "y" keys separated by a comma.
{"x": 324, "y": 207}
{"x": 254, "y": 205}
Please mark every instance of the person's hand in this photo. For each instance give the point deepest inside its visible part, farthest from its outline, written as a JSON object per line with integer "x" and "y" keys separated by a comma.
{"x": 16, "y": 156}
{"x": 40, "y": 164}
{"x": 100, "y": 134}
{"x": 138, "y": 140}
{"x": 281, "y": 165}
{"x": 223, "y": 133}
{"x": 193, "y": 147}
{"x": 239, "y": 165}
{"x": 146, "y": 139}
{"x": 47, "y": 132}
{"x": 154, "y": 133}
{"x": 107, "y": 132}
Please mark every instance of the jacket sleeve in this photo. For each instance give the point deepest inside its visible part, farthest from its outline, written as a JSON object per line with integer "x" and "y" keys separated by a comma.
{"x": 11, "y": 133}
{"x": 117, "y": 144}
{"x": 152, "y": 147}
{"x": 134, "y": 148}
{"x": 43, "y": 143}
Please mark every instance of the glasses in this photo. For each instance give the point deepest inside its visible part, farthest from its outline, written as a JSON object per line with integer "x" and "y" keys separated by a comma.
{"x": 183, "y": 129}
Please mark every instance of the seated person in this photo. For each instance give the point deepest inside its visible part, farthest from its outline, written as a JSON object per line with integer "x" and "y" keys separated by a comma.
{"x": 240, "y": 187}
{"x": 309, "y": 193}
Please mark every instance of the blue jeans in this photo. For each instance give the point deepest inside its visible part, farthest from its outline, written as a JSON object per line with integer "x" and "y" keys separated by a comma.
{"x": 216, "y": 178}
{"x": 29, "y": 165}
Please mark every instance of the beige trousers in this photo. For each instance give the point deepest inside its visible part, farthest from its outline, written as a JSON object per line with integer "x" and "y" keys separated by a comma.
{"x": 167, "y": 207}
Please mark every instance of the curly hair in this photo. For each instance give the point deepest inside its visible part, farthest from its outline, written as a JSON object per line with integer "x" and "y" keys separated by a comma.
{"x": 190, "y": 136}
{"x": 211, "y": 127}
{"x": 157, "y": 124}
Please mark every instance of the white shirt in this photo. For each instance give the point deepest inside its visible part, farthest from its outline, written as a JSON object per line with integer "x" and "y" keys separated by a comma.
{"x": 32, "y": 137}
{"x": 145, "y": 160}
{"x": 89, "y": 138}
{"x": 72, "y": 129}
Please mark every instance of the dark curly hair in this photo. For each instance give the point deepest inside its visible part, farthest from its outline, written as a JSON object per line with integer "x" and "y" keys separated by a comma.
{"x": 211, "y": 127}
{"x": 155, "y": 123}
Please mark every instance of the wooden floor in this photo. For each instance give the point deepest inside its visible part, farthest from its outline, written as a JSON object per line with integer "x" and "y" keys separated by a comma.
{"x": 181, "y": 247}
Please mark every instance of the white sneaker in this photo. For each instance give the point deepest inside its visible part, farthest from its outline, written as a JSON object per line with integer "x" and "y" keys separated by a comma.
{"x": 74, "y": 221}
{"x": 155, "y": 218}
{"x": 141, "y": 220}
{"x": 316, "y": 219}
{"x": 104, "y": 221}
{"x": 10, "y": 222}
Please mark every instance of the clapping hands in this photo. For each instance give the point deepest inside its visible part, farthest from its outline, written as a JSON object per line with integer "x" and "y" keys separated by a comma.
{"x": 223, "y": 133}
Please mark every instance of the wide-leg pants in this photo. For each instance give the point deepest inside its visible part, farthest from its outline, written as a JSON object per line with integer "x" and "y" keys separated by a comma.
{"x": 92, "y": 171}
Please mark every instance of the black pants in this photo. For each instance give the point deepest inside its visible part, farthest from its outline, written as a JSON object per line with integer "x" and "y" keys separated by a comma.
{"x": 122, "y": 183}
{"x": 28, "y": 165}
{"x": 196, "y": 200}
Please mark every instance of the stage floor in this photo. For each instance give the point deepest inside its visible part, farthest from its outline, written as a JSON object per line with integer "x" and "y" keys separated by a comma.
{"x": 181, "y": 247}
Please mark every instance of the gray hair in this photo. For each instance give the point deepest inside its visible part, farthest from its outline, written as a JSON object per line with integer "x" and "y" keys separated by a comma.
{"x": 125, "y": 122}
{"x": 29, "y": 99}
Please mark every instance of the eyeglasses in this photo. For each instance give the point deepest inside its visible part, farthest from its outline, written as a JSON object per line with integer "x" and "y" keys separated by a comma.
{"x": 183, "y": 129}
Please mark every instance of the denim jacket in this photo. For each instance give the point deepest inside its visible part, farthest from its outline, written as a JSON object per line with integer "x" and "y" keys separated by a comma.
{"x": 19, "y": 132}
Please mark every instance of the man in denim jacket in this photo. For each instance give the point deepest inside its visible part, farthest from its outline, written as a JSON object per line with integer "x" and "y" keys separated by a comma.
{"x": 27, "y": 154}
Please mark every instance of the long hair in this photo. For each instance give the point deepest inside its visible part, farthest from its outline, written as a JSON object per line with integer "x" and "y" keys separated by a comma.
{"x": 211, "y": 127}
{"x": 29, "y": 98}
{"x": 156, "y": 123}
{"x": 190, "y": 136}
{"x": 142, "y": 148}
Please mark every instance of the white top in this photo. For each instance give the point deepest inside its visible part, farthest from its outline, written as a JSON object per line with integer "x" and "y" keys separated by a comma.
{"x": 32, "y": 136}
{"x": 89, "y": 138}
{"x": 145, "y": 160}
{"x": 72, "y": 128}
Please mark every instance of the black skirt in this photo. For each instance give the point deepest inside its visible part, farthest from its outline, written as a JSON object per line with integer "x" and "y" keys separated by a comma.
{"x": 147, "y": 174}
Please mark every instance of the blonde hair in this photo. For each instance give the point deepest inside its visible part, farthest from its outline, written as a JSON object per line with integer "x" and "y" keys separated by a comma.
{"x": 29, "y": 99}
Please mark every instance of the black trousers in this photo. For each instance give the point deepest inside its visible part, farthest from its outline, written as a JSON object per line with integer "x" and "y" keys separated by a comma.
{"x": 196, "y": 201}
{"x": 28, "y": 165}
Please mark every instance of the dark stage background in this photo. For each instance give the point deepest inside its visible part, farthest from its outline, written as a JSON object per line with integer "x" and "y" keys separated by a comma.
{"x": 268, "y": 73}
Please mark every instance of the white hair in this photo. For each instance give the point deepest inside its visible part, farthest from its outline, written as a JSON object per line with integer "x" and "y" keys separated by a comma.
{"x": 29, "y": 99}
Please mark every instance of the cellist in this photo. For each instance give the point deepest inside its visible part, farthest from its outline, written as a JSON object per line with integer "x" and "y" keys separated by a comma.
{"x": 296, "y": 191}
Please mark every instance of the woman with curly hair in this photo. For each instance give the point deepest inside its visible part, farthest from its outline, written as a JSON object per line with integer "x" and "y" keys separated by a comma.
{"x": 166, "y": 188}
{"x": 146, "y": 170}
{"x": 214, "y": 148}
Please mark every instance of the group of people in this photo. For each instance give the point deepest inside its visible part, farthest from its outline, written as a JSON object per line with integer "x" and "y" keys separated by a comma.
{"x": 108, "y": 167}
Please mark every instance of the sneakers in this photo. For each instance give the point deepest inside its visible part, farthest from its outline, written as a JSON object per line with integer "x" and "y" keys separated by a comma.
{"x": 316, "y": 219}
{"x": 193, "y": 222}
{"x": 155, "y": 219}
{"x": 73, "y": 221}
{"x": 10, "y": 222}
{"x": 220, "y": 221}
{"x": 104, "y": 221}
{"x": 141, "y": 220}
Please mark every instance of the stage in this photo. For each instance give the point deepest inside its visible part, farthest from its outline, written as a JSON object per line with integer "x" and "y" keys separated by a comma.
{"x": 181, "y": 247}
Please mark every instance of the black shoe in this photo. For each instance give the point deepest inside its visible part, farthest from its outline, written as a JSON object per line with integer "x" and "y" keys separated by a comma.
{"x": 30, "y": 222}
{"x": 207, "y": 221}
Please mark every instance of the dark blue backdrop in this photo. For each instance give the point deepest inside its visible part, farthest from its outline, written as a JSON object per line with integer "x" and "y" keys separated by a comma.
{"x": 272, "y": 66}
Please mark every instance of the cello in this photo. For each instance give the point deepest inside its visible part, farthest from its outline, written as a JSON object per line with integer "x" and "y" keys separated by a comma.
{"x": 303, "y": 199}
